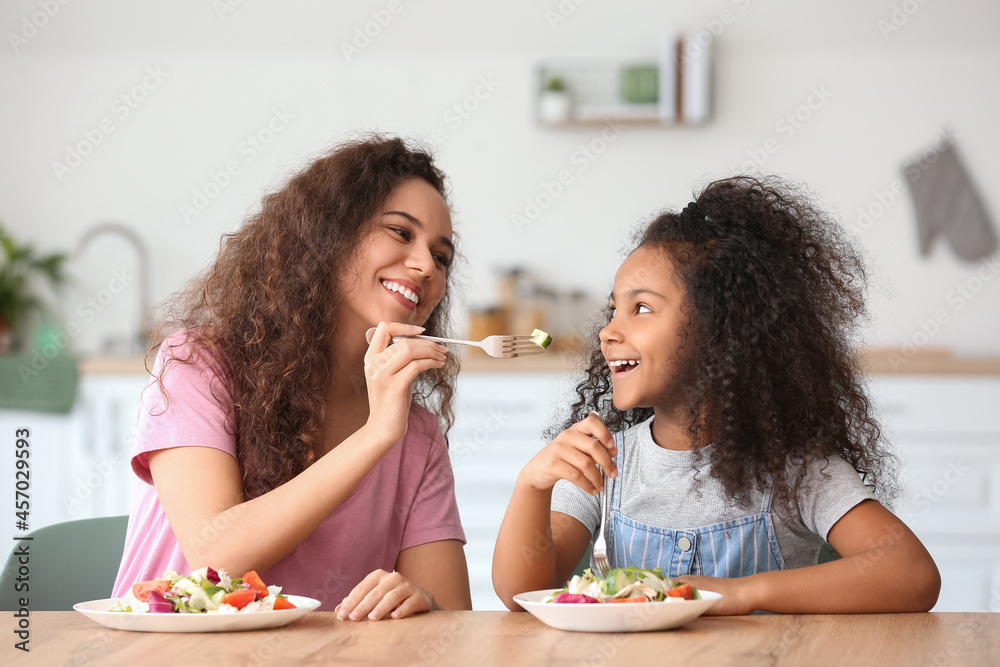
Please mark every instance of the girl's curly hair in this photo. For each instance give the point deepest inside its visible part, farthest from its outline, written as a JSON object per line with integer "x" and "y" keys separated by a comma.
{"x": 266, "y": 311}
{"x": 773, "y": 293}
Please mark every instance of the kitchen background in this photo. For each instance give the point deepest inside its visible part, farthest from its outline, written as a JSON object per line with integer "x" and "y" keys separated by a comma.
{"x": 134, "y": 134}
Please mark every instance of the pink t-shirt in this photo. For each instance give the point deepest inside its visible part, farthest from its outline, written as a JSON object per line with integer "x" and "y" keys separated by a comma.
{"x": 406, "y": 500}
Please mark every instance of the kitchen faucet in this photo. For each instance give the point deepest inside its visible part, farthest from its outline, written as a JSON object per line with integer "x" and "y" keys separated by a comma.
{"x": 142, "y": 260}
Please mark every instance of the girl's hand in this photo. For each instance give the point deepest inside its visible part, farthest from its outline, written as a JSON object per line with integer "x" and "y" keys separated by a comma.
{"x": 389, "y": 372}
{"x": 383, "y": 594}
{"x": 737, "y": 594}
{"x": 574, "y": 455}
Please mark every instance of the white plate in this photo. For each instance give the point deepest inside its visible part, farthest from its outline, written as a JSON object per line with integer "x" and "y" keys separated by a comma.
{"x": 615, "y": 616}
{"x": 251, "y": 620}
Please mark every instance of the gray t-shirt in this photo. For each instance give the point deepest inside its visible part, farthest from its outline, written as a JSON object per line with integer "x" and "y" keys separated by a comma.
{"x": 660, "y": 487}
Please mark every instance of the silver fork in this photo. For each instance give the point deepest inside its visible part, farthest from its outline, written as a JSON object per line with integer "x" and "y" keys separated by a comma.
{"x": 600, "y": 552}
{"x": 504, "y": 347}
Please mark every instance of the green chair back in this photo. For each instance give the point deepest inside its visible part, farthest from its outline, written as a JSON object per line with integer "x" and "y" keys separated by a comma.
{"x": 827, "y": 553}
{"x": 67, "y": 563}
{"x": 584, "y": 562}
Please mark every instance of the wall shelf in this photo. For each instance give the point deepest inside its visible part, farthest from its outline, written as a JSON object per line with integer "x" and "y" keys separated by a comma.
{"x": 673, "y": 87}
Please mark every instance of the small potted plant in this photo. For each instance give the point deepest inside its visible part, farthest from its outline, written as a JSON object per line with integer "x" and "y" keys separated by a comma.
{"x": 20, "y": 268}
{"x": 554, "y": 102}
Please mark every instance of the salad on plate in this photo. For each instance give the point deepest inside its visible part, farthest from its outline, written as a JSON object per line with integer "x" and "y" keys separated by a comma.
{"x": 204, "y": 591}
{"x": 624, "y": 584}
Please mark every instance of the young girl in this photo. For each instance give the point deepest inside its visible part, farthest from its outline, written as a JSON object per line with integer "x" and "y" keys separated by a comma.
{"x": 730, "y": 422}
{"x": 274, "y": 436}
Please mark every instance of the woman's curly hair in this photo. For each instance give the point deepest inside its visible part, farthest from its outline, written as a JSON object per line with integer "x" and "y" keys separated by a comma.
{"x": 773, "y": 293}
{"x": 266, "y": 311}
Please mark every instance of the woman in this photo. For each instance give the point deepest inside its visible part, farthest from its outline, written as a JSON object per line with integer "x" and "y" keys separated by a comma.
{"x": 275, "y": 437}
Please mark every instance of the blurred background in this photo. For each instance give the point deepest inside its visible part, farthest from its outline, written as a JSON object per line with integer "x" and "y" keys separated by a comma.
{"x": 135, "y": 134}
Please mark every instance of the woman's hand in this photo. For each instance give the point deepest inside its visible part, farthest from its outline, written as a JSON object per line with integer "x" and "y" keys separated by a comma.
{"x": 390, "y": 371}
{"x": 738, "y": 594}
{"x": 574, "y": 455}
{"x": 383, "y": 594}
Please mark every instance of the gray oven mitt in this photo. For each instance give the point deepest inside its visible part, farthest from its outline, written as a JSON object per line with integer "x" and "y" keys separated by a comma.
{"x": 946, "y": 202}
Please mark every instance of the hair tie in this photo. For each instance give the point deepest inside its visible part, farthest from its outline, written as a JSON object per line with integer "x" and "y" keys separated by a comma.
{"x": 693, "y": 213}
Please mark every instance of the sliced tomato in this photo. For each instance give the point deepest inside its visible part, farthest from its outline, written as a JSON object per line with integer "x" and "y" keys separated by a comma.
{"x": 141, "y": 590}
{"x": 240, "y": 599}
{"x": 682, "y": 591}
{"x": 641, "y": 598}
{"x": 253, "y": 580}
{"x": 283, "y": 603}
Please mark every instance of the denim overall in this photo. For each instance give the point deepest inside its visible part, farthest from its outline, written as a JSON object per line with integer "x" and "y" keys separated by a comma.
{"x": 735, "y": 548}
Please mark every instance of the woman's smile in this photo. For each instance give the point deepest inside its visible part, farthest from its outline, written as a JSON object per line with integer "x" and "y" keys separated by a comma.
{"x": 403, "y": 291}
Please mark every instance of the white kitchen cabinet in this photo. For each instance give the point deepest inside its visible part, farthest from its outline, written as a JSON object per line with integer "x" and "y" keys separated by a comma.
{"x": 80, "y": 460}
{"x": 499, "y": 421}
{"x": 946, "y": 429}
{"x": 947, "y": 433}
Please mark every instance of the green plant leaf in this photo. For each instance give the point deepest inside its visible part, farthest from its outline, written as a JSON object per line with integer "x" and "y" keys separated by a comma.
{"x": 19, "y": 266}
{"x": 52, "y": 266}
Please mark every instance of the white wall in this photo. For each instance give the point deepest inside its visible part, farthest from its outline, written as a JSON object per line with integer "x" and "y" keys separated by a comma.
{"x": 225, "y": 76}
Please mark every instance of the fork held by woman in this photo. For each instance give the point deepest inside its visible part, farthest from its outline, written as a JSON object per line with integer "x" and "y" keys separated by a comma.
{"x": 503, "y": 347}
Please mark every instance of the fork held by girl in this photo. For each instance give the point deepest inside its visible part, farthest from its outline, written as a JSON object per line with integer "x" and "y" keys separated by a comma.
{"x": 734, "y": 427}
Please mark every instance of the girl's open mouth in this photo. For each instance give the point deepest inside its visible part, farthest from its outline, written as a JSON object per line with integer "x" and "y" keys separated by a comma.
{"x": 619, "y": 366}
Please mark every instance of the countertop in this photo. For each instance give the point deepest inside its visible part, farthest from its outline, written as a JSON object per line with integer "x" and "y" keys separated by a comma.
{"x": 511, "y": 638}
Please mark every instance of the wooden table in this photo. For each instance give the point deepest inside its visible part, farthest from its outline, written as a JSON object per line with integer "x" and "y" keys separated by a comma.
{"x": 502, "y": 638}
